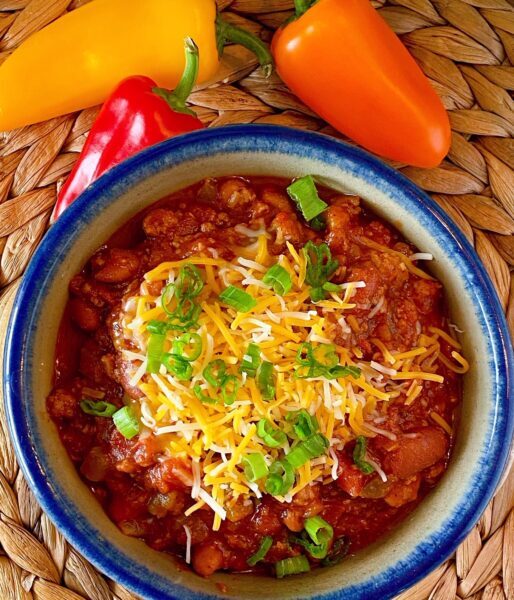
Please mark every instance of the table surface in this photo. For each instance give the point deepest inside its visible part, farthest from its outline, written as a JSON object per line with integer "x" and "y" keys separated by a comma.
{"x": 466, "y": 48}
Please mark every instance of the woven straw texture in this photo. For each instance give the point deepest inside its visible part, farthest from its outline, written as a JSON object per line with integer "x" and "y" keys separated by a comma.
{"x": 466, "y": 48}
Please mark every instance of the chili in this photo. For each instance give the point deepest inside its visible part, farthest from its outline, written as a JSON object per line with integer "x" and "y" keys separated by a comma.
{"x": 146, "y": 488}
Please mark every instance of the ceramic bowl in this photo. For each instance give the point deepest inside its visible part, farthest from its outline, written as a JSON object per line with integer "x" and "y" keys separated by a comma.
{"x": 431, "y": 533}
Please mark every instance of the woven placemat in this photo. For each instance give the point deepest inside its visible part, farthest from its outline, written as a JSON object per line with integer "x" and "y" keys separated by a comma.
{"x": 466, "y": 48}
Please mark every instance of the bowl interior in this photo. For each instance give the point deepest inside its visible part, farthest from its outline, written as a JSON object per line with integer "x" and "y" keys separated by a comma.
{"x": 430, "y": 533}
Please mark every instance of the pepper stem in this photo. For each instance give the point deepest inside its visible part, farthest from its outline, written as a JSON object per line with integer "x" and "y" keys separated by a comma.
{"x": 225, "y": 32}
{"x": 177, "y": 99}
{"x": 301, "y": 7}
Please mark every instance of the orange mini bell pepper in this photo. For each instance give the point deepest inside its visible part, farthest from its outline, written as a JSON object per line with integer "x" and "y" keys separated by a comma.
{"x": 342, "y": 59}
{"x": 76, "y": 61}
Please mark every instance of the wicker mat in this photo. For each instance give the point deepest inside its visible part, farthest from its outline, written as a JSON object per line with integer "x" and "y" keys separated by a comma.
{"x": 466, "y": 48}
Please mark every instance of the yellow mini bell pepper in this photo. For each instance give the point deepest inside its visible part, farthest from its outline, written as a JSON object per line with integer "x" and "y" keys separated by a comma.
{"x": 76, "y": 61}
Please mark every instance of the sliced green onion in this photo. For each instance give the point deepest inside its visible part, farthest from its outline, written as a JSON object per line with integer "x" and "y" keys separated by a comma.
{"x": 317, "y": 551}
{"x": 266, "y": 543}
{"x": 305, "y": 358}
{"x": 321, "y": 361}
{"x": 331, "y": 287}
{"x": 319, "y": 268}
{"x": 255, "y": 466}
{"x": 187, "y": 347}
{"x": 303, "y": 192}
{"x": 185, "y": 315}
{"x": 325, "y": 355}
{"x": 338, "y": 552}
{"x": 343, "y": 371}
{"x": 320, "y": 533}
{"x": 155, "y": 326}
{"x": 292, "y": 566}
{"x": 305, "y": 424}
{"x": 280, "y": 479}
{"x": 237, "y": 298}
{"x": 214, "y": 372}
{"x": 181, "y": 369}
{"x": 189, "y": 281}
{"x": 265, "y": 381}
{"x": 272, "y": 437}
{"x": 319, "y": 530}
{"x": 251, "y": 360}
{"x": 186, "y": 312}
{"x": 202, "y": 396}
{"x": 126, "y": 422}
{"x": 316, "y": 445}
{"x": 98, "y": 409}
{"x": 317, "y": 294}
{"x": 167, "y": 295}
{"x": 304, "y": 354}
{"x": 318, "y": 223}
{"x": 298, "y": 456}
{"x": 229, "y": 388}
{"x": 312, "y": 447}
{"x": 279, "y": 279}
{"x": 154, "y": 352}
{"x": 359, "y": 453}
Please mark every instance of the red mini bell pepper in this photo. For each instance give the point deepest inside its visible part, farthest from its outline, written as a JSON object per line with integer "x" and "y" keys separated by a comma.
{"x": 341, "y": 58}
{"x": 137, "y": 115}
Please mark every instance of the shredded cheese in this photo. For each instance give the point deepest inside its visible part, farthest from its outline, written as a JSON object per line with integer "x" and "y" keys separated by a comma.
{"x": 188, "y": 543}
{"x": 213, "y": 439}
{"x": 440, "y": 421}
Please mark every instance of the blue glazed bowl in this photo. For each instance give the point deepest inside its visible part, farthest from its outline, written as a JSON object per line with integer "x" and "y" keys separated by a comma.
{"x": 431, "y": 533}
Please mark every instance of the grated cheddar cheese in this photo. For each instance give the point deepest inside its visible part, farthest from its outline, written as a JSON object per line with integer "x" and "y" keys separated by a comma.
{"x": 214, "y": 438}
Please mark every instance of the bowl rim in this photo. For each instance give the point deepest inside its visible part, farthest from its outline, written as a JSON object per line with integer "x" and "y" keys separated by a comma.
{"x": 147, "y": 163}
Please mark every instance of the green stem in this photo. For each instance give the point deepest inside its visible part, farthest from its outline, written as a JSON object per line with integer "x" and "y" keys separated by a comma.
{"x": 177, "y": 99}
{"x": 301, "y": 7}
{"x": 225, "y": 32}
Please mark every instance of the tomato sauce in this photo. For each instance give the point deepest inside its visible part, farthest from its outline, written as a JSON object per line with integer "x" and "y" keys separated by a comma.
{"x": 145, "y": 492}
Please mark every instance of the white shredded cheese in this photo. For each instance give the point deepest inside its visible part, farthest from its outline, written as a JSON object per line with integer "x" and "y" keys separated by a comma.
{"x": 188, "y": 543}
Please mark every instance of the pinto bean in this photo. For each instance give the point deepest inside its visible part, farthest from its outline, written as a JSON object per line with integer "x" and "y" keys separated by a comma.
{"x": 414, "y": 454}
{"x": 207, "y": 559}
{"x": 118, "y": 265}
{"x": 337, "y": 225}
{"x": 85, "y": 315}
